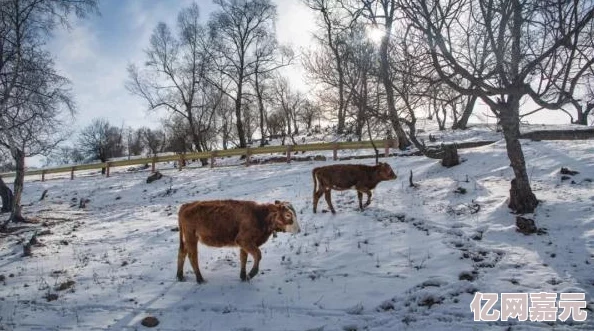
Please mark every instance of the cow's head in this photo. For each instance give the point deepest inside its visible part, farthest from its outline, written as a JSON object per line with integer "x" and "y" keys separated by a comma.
{"x": 385, "y": 171}
{"x": 285, "y": 217}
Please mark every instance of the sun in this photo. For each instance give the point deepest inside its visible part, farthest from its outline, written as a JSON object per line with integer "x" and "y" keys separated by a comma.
{"x": 375, "y": 34}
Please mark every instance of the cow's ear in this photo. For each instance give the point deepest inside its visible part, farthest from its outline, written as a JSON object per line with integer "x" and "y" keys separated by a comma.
{"x": 277, "y": 202}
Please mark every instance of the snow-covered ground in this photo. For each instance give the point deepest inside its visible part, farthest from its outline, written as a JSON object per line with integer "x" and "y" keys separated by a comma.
{"x": 411, "y": 261}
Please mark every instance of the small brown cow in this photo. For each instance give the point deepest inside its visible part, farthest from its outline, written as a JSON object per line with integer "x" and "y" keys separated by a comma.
{"x": 341, "y": 177}
{"x": 220, "y": 223}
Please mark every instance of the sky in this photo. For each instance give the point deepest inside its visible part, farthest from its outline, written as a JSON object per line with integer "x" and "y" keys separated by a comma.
{"x": 95, "y": 52}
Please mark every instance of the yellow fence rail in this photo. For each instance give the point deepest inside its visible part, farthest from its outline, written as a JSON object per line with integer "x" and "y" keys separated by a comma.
{"x": 212, "y": 155}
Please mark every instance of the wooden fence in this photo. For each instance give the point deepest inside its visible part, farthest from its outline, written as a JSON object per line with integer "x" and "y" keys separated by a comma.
{"x": 247, "y": 152}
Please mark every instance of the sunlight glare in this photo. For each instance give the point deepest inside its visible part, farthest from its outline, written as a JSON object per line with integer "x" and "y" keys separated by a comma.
{"x": 375, "y": 34}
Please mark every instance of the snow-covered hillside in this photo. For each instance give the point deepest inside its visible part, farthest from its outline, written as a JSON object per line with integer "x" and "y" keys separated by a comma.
{"x": 411, "y": 261}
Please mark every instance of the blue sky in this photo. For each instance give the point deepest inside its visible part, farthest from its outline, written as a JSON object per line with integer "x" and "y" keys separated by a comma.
{"x": 94, "y": 54}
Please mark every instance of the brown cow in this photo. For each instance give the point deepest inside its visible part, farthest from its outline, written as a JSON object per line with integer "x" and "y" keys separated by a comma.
{"x": 341, "y": 177}
{"x": 222, "y": 223}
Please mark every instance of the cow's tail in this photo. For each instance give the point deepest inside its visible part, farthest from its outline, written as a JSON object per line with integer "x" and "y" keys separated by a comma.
{"x": 181, "y": 238}
{"x": 181, "y": 229}
{"x": 181, "y": 254}
{"x": 315, "y": 181}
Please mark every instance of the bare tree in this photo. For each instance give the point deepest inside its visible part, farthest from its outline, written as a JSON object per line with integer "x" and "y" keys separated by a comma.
{"x": 239, "y": 28}
{"x": 65, "y": 155}
{"x": 174, "y": 77}
{"x": 536, "y": 49}
{"x": 360, "y": 59}
{"x": 309, "y": 112}
{"x": 268, "y": 58}
{"x": 154, "y": 140}
{"x": 134, "y": 141}
{"x": 178, "y": 137}
{"x": 333, "y": 24}
{"x": 289, "y": 102}
{"x": 225, "y": 123}
{"x": 382, "y": 14}
{"x": 101, "y": 141}
{"x": 276, "y": 124}
{"x": 34, "y": 98}
{"x": 583, "y": 102}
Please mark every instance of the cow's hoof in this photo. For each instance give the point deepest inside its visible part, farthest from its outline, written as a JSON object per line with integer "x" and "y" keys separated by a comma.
{"x": 180, "y": 277}
{"x": 253, "y": 273}
{"x": 200, "y": 280}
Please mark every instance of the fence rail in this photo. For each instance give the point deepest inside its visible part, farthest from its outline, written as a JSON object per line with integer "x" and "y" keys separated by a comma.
{"x": 247, "y": 152}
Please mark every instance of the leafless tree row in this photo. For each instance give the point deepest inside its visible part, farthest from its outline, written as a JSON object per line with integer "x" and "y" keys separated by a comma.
{"x": 220, "y": 77}
{"x": 438, "y": 58}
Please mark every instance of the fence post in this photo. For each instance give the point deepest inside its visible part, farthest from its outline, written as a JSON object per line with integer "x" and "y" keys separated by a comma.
{"x": 335, "y": 151}
{"x": 43, "y": 176}
{"x": 247, "y": 157}
{"x": 180, "y": 163}
{"x": 72, "y": 173}
{"x": 289, "y": 149}
{"x": 154, "y": 164}
{"x": 212, "y": 159}
{"x": 107, "y": 165}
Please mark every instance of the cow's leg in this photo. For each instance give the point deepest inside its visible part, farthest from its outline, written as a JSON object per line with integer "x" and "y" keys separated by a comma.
{"x": 368, "y": 198}
{"x": 316, "y": 198}
{"x": 328, "y": 197}
{"x": 257, "y": 255}
{"x": 181, "y": 257}
{"x": 360, "y": 196}
{"x": 249, "y": 247}
{"x": 243, "y": 259}
{"x": 192, "y": 248}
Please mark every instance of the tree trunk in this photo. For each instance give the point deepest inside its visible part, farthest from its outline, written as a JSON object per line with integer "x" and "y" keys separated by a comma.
{"x": 289, "y": 128}
{"x": 359, "y": 122}
{"x": 197, "y": 143}
{"x": 582, "y": 116}
{"x": 295, "y": 126}
{"x": 19, "y": 179}
{"x": 341, "y": 104}
{"x": 362, "y": 106}
{"x": 462, "y": 123}
{"x": 403, "y": 141}
{"x": 239, "y": 124}
{"x": 450, "y": 155}
{"x": 7, "y": 197}
{"x": 440, "y": 121}
{"x": 195, "y": 135}
{"x": 521, "y": 199}
{"x": 260, "y": 107}
{"x": 103, "y": 170}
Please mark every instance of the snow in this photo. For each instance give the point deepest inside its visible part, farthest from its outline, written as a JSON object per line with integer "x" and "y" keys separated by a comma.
{"x": 412, "y": 260}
